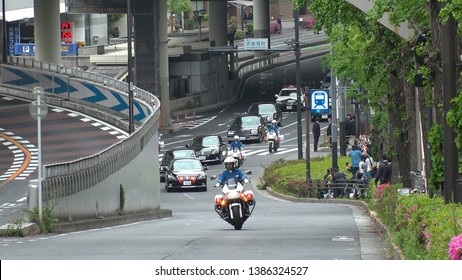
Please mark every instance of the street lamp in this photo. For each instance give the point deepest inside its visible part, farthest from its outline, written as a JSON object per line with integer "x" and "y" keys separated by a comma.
{"x": 199, "y": 15}
{"x": 131, "y": 125}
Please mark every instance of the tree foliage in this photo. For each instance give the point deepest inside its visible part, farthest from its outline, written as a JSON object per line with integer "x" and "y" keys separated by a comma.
{"x": 383, "y": 64}
{"x": 178, "y": 6}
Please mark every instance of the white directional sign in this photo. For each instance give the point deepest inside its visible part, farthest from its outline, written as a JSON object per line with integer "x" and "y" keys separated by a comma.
{"x": 251, "y": 44}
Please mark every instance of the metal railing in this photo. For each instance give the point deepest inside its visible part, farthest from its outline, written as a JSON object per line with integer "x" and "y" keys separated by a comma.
{"x": 67, "y": 178}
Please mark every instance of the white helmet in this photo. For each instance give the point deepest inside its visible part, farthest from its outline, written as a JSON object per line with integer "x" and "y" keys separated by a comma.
{"x": 230, "y": 159}
{"x": 273, "y": 122}
{"x": 236, "y": 137}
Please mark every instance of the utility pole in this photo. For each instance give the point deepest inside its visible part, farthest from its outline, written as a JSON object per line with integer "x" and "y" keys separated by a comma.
{"x": 4, "y": 37}
{"x": 131, "y": 128}
{"x": 298, "y": 81}
{"x": 342, "y": 137}
{"x": 333, "y": 94}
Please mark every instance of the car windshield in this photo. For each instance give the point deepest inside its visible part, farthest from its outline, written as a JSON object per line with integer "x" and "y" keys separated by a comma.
{"x": 187, "y": 165}
{"x": 245, "y": 122}
{"x": 266, "y": 109}
{"x": 210, "y": 141}
{"x": 183, "y": 154}
{"x": 289, "y": 92}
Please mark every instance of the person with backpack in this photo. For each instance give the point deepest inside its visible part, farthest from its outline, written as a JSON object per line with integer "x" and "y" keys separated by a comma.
{"x": 369, "y": 162}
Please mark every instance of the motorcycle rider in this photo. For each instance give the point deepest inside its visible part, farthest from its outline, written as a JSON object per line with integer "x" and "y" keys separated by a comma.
{"x": 274, "y": 127}
{"x": 236, "y": 143}
{"x": 231, "y": 172}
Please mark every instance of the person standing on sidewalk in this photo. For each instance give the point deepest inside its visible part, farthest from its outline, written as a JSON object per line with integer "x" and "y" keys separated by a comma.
{"x": 279, "y": 21}
{"x": 355, "y": 155}
{"x": 316, "y": 134}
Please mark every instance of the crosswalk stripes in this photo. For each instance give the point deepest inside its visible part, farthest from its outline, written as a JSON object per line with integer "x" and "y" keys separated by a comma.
{"x": 198, "y": 121}
{"x": 261, "y": 152}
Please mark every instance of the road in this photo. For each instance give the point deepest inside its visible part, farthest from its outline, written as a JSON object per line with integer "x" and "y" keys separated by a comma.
{"x": 278, "y": 229}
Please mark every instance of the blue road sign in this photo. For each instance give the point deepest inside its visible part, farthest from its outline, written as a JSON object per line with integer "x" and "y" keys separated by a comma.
{"x": 319, "y": 100}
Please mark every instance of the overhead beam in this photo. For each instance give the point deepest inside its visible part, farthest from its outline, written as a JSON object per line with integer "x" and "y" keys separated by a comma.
{"x": 96, "y": 6}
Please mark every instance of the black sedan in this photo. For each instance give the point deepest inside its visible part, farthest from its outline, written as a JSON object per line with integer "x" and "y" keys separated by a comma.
{"x": 268, "y": 110}
{"x": 170, "y": 155}
{"x": 209, "y": 148}
{"x": 185, "y": 174}
{"x": 249, "y": 127}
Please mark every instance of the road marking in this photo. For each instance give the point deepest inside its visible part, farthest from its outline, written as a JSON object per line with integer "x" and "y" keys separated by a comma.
{"x": 19, "y": 152}
{"x": 188, "y": 196}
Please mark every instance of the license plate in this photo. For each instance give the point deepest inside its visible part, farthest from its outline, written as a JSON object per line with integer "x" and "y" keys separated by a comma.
{"x": 289, "y": 107}
{"x": 187, "y": 183}
{"x": 201, "y": 157}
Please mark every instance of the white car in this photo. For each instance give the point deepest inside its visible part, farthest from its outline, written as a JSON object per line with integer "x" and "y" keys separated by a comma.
{"x": 286, "y": 100}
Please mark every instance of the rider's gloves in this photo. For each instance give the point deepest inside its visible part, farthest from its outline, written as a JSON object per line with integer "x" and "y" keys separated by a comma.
{"x": 246, "y": 181}
{"x": 217, "y": 185}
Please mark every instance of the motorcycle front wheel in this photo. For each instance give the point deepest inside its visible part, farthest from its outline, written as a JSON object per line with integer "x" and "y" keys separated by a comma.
{"x": 236, "y": 218}
{"x": 270, "y": 146}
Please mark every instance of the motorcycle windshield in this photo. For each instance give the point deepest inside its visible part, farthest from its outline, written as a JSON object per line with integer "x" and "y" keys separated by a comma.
{"x": 232, "y": 184}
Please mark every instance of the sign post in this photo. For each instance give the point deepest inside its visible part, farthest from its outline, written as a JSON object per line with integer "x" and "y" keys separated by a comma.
{"x": 39, "y": 110}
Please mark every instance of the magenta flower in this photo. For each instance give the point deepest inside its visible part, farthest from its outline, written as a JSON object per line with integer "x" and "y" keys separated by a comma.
{"x": 455, "y": 248}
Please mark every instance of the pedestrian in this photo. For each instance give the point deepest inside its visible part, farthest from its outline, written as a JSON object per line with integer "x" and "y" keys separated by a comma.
{"x": 384, "y": 169}
{"x": 355, "y": 155}
{"x": 337, "y": 177}
{"x": 316, "y": 133}
{"x": 349, "y": 129}
{"x": 279, "y": 21}
{"x": 370, "y": 163}
{"x": 329, "y": 132}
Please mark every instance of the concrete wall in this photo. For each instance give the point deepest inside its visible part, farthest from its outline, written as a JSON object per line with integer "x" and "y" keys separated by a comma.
{"x": 141, "y": 187}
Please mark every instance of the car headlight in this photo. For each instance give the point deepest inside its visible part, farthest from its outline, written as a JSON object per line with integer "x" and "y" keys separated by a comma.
{"x": 214, "y": 151}
{"x": 230, "y": 133}
{"x": 172, "y": 178}
{"x": 254, "y": 131}
{"x": 201, "y": 177}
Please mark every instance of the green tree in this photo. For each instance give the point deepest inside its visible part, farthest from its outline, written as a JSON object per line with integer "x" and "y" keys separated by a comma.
{"x": 179, "y": 8}
{"x": 112, "y": 20}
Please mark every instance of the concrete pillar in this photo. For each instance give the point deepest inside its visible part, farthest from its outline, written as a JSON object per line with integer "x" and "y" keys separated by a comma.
{"x": 163, "y": 63}
{"x": 218, "y": 22}
{"x": 47, "y": 31}
{"x": 218, "y": 32}
{"x": 261, "y": 22}
{"x": 147, "y": 68}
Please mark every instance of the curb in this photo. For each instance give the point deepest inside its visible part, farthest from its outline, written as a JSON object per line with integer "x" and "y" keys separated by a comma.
{"x": 103, "y": 222}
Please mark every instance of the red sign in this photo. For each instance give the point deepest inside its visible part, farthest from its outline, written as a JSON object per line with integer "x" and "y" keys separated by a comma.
{"x": 66, "y": 25}
{"x": 66, "y": 32}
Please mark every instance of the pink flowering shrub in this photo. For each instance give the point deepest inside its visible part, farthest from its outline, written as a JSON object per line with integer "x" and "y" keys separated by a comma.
{"x": 308, "y": 22}
{"x": 455, "y": 248}
{"x": 379, "y": 190}
{"x": 275, "y": 28}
